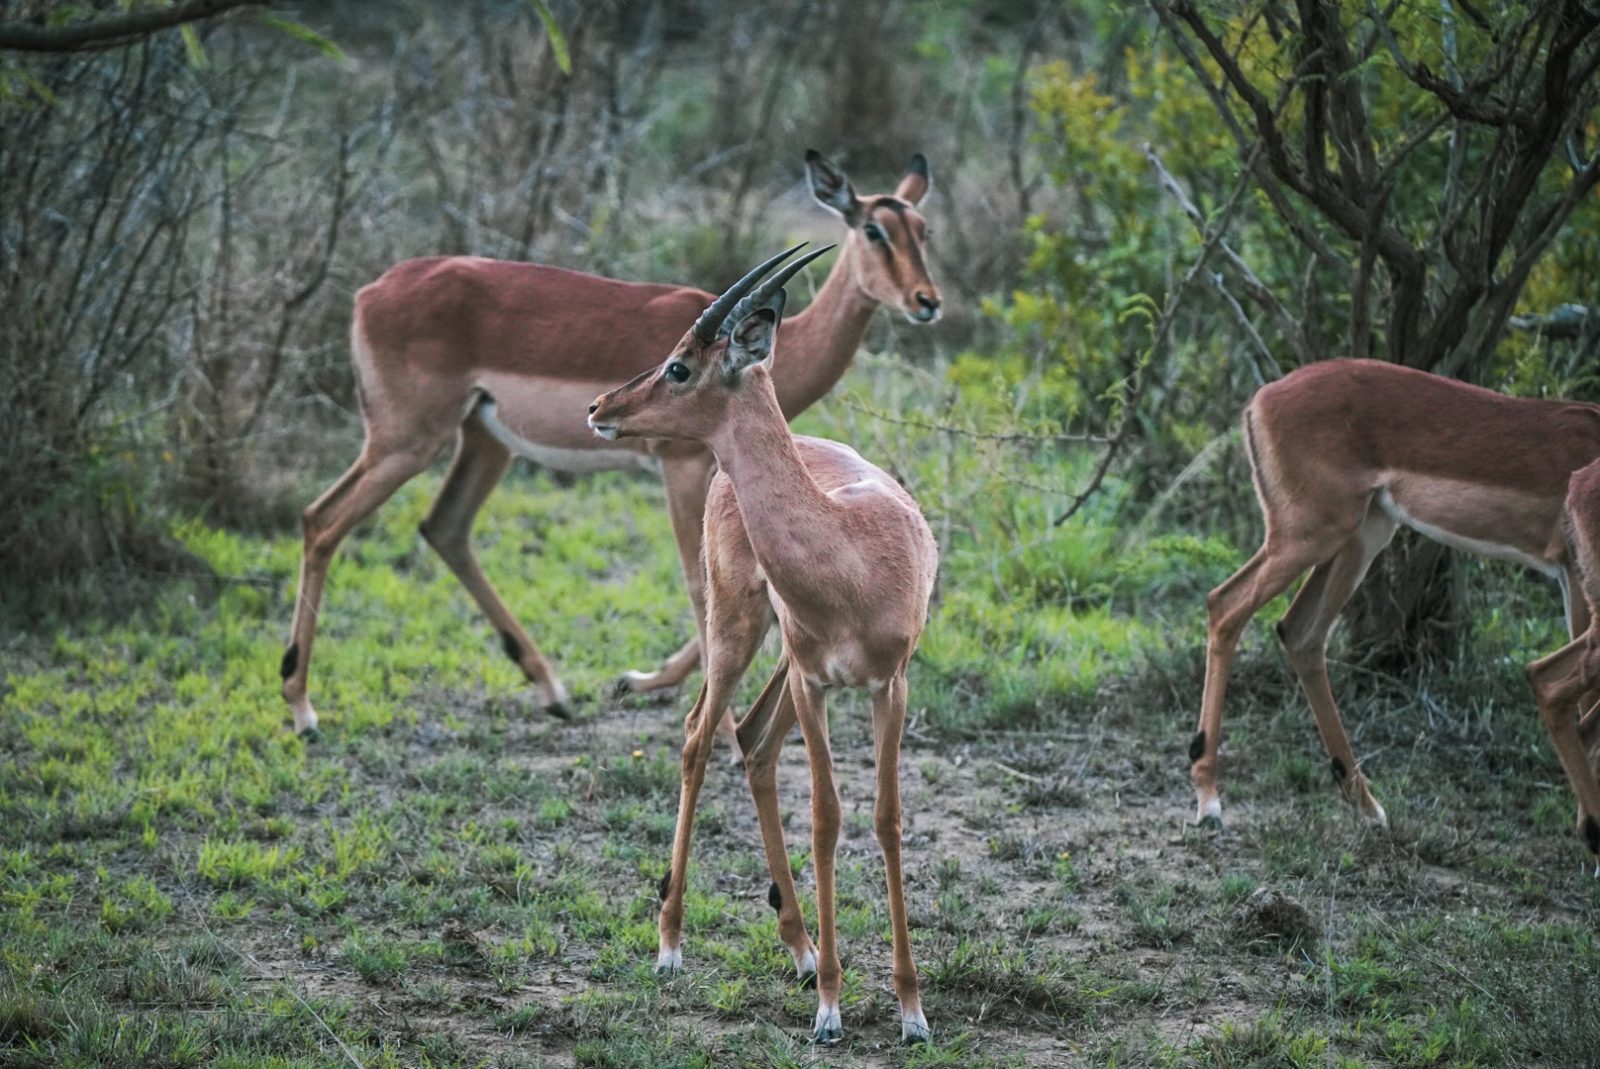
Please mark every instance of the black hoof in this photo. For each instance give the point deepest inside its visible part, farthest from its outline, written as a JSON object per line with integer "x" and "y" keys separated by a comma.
{"x": 559, "y": 710}
{"x": 1212, "y": 823}
{"x": 310, "y": 736}
{"x": 809, "y": 981}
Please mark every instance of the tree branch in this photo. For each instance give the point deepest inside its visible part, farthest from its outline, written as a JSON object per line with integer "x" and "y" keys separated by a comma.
{"x": 1258, "y": 290}
{"x": 114, "y": 31}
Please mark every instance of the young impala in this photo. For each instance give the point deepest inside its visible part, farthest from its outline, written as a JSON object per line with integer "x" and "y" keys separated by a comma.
{"x": 503, "y": 356}
{"x": 1343, "y": 452}
{"x": 806, "y": 529}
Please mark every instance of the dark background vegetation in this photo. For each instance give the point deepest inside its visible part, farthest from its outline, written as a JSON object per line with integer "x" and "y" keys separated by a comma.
{"x": 1141, "y": 212}
{"x": 187, "y": 216}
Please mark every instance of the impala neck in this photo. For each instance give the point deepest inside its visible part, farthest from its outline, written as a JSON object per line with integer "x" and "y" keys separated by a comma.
{"x": 783, "y": 508}
{"x": 824, "y": 337}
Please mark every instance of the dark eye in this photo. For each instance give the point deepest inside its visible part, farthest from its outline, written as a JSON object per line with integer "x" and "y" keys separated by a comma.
{"x": 678, "y": 371}
{"x": 875, "y": 232}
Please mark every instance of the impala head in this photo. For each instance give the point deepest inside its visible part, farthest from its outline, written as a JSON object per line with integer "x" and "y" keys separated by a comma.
{"x": 688, "y": 395}
{"x": 884, "y": 247}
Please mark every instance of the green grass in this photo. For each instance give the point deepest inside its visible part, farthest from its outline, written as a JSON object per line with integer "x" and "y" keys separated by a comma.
{"x": 449, "y": 878}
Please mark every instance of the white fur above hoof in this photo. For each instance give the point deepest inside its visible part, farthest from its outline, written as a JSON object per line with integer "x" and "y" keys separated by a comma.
{"x": 669, "y": 962}
{"x": 805, "y": 966}
{"x": 305, "y": 718}
{"x": 1376, "y": 816}
{"x": 828, "y": 1028}
{"x": 638, "y": 682}
{"x": 914, "y": 1028}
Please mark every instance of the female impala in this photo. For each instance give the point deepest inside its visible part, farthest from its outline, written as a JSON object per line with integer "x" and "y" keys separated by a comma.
{"x": 503, "y": 356}
{"x": 1345, "y": 451}
{"x": 1572, "y": 673}
{"x": 805, "y": 528}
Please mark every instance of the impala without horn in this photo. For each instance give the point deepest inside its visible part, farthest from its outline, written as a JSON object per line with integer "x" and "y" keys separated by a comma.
{"x": 805, "y": 529}
{"x": 1344, "y": 452}
{"x": 503, "y": 356}
{"x": 1572, "y": 673}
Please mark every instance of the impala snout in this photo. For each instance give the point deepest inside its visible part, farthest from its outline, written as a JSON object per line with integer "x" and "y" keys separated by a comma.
{"x": 605, "y": 425}
{"x": 927, "y": 307}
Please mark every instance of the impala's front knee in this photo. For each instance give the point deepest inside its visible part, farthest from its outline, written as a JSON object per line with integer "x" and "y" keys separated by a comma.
{"x": 889, "y": 829}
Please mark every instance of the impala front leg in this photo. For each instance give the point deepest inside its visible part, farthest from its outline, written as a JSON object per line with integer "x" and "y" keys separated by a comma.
{"x": 812, "y": 709}
{"x": 888, "y": 725}
{"x": 741, "y": 625}
{"x": 761, "y": 735}
{"x": 696, "y": 752}
{"x": 687, "y": 477}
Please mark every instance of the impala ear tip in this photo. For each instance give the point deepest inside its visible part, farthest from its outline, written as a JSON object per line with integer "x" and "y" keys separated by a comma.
{"x": 919, "y": 164}
{"x": 813, "y": 156}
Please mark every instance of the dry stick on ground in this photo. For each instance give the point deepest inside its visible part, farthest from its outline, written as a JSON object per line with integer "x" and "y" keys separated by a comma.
{"x": 112, "y": 32}
{"x": 251, "y": 959}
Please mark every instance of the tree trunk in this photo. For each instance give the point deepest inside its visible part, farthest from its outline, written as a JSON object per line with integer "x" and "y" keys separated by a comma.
{"x": 1409, "y": 611}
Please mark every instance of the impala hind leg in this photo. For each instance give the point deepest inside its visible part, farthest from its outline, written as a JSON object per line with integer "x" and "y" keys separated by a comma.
{"x": 1229, "y": 608}
{"x": 741, "y": 624}
{"x": 479, "y": 465}
{"x": 687, "y": 479}
{"x": 762, "y": 732}
{"x": 1558, "y": 680}
{"x": 812, "y": 711}
{"x": 368, "y": 483}
{"x": 1304, "y": 631}
{"x": 888, "y": 726}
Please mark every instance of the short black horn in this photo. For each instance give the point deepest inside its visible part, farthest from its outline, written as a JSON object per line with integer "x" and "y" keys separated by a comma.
{"x": 762, "y": 293}
{"x": 705, "y": 328}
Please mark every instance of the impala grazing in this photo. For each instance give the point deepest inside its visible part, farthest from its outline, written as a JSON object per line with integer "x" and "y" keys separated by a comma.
{"x": 806, "y": 529}
{"x": 502, "y": 356}
{"x": 1572, "y": 673}
{"x": 1345, "y": 451}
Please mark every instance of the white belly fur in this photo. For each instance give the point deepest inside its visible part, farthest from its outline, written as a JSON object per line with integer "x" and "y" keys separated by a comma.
{"x": 571, "y": 461}
{"x": 1456, "y": 541}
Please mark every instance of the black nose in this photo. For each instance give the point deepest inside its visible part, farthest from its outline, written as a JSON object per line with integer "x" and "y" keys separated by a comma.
{"x": 930, "y": 303}
{"x": 593, "y": 407}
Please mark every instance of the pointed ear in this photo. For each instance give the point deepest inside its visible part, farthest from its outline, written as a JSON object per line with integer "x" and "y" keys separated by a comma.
{"x": 750, "y": 342}
{"x": 831, "y": 186}
{"x": 917, "y": 181}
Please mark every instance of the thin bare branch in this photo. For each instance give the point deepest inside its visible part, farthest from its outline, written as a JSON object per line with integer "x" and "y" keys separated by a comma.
{"x": 113, "y": 31}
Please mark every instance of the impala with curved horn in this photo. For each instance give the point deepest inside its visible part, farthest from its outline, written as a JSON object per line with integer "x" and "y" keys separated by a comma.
{"x": 806, "y": 529}
{"x": 503, "y": 356}
{"x": 1343, "y": 452}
